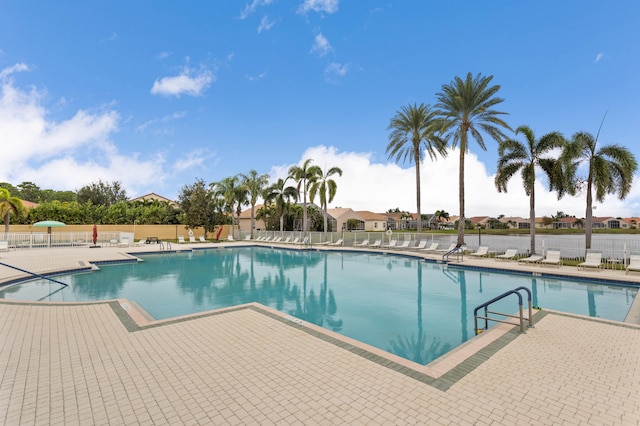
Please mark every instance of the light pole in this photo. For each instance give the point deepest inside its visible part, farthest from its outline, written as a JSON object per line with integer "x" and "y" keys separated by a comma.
{"x": 134, "y": 228}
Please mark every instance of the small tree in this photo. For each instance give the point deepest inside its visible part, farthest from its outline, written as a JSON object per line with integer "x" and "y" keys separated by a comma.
{"x": 10, "y": 204}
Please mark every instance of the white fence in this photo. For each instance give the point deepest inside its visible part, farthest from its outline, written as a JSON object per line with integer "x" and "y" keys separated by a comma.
{"x": 26, "y": 240}
{"x": 612, "y": 246}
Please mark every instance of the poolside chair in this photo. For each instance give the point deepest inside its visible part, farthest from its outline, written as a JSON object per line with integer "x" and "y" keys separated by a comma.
{"x": 364, "y": 243}
{"x": 202, "y": 239}
{"x": 124, "y": 242}
{"x": 593, "y": 259}
{"x": 376, "y": 244}
{"x": 421, "y": 245}
{"x": 405, "y": 245}
{"x": 634, "y": 263}
{"x": 552, "y": 259}
{"x": 141, "y": 242}
{"x": 532, "y": 260}
{"x": 180, "y": 239}
{"x": 247, "y": 238}
{"x": 113, "y": 242}
{"x": 391, "y": 244}
{"x": 277, "y": 240}
{"x": 447, "y": 250}
{"x": 483, "y": 251}
{"x": 510, "y": 254}
{"x": 295, "y": 240}
{"x": 4, "y": 245}
{"x": 432, "y": 248}
{"x": 337, "y": 243}
{"x": 287, "y": 240}
{"x": 192, "y": 239}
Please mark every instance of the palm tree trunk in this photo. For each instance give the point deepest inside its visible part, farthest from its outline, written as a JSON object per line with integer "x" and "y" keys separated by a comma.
{"x": 281, "y": 223}
{"x": 7, "y": 219}
{"x": 532, "y": 220}
{"x": 461, "y": 220}
{"x": 588, "y": 216}
{"x": 304, "y": 212}
{"x": 253, "y": 206}
{"x": 325, "y": 217}
{"x": 417, "y": 161}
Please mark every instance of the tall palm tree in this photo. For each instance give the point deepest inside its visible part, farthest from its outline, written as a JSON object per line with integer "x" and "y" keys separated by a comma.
{"x": 610, "y": 170}
{"x": 326, "y": 188}
{"x": 413, "y": 130}
{"x": 255, "y": 185}
{"x": 8, "y": 205}
{"x": 281, "y": 194}
{"x": 466, "y": 110}
{"x": 304, "y": 175}
{"x": 234, "y": 196}
{"x": 516, "y": 156}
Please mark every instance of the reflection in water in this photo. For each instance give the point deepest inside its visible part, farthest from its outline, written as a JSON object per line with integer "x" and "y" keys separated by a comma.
{"x": 416, "y": 349}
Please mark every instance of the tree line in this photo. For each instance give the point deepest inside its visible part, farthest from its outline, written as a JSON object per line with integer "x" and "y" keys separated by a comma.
{"x": 465, "y": 111}
{"x": 210, "y": 205}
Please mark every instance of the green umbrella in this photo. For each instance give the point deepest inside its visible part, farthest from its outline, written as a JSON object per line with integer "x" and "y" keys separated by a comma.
{"x": 49, "y": 224}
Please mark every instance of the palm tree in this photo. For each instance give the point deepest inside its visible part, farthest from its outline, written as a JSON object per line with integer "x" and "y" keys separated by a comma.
{"x": 413, "y": 130}
{"x": 466, "y": 108}
{"x": 610, "y": 170}
{"x": 255, "y": 185}
{"x": 516, "y": 156}
{"x": 8, "y": 205}
{"x": 233, "y": 194}
{"x": 326, "y": 187}
{"x": 281, "y": 195}
{"x": 304, "y": 175}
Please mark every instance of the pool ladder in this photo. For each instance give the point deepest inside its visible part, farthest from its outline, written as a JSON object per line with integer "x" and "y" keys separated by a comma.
{"x": 459, "y": 252}
{"x": 162, "y": 245}
{"x": 520, "y": 315}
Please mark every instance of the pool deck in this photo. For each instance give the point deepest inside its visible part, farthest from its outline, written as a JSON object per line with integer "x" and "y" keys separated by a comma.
{"x": 107, "y": 363}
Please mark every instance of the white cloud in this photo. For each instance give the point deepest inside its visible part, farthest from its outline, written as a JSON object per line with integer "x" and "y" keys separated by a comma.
{"x": 164, "y": 55}
{"x": 367, "y": 185}
{"x": 256, "y": 77}
{"x": 19, "y": 67}
{"x": 328, "y": 6}
{"x": 64, "y": 154}
{"x": 321, "y": 45}
{"x": 599, "y": 56}
{"x": 335, "y": 71}
{"x": 265, "y": 24}
{"x": 112, "y": 37}
{"x": 166, "y": 119}
{"x": 188, "y": 82}
{"x": 194, "y": 159}
{"x": 250, "y": 8}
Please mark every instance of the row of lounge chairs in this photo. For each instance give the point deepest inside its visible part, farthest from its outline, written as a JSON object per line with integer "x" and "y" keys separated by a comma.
{"x": 280, "y": 240}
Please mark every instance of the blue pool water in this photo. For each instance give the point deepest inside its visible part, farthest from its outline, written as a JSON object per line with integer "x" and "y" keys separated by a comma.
{"x": 406, "y": 306}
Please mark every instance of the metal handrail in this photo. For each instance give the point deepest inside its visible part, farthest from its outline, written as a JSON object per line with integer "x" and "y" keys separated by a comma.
{"x": 520, "y": 315}
{"x": 450, "y": 252}
{"x": 34, "y": 274}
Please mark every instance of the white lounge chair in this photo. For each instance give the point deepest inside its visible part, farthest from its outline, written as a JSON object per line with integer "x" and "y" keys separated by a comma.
{"x": 364, "y": 243}
{"x": 552, "y": 259}
{"x": 4, "y": 245}
{"x": 421, "y": 245}
{"x": 337, "y": 243}
{"x": 295, "y": 240}
{"x": 447, "y": 250}
{"x": 287, "y": 240}
{"x": 141, "y": 242}
{"x": 180, "y": 239}
{"x": 532, "y": 260}
{"x": 432, "y": 248}
{"x": 483, "y": 251}
{"x": 376, "y": 244}
{"x": 593, "y": 260}
{"x": 405, "y": 245}
{"x": 634, "y": 263}
{"x": 391, "y": 244}
{"x": 124, "y": 242}
{"x": 509, "y": 254}
{"x": 202, "y": 239}
{"x": 192, "y": 239}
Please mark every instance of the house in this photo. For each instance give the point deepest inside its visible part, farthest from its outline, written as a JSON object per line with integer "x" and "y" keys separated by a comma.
{"x": 245, "y": 220}
{"x": 340, "y": 217}
{"x": 152, "y": 196}
{"x": 515, "y": 222}
{"x": 373, "y": 221}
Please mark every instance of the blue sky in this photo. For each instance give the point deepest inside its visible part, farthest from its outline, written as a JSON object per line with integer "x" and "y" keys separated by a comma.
{"x": 158, "y": 94}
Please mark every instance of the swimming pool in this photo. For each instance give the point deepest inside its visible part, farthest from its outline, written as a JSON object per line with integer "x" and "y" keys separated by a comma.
{"x": 412, "y": 308}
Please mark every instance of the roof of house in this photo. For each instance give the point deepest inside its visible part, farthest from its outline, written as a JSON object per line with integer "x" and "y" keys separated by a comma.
{"x": 152, "y": 196}
{"x": 368, "y": 215}
{"x": 29, "y": 204}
